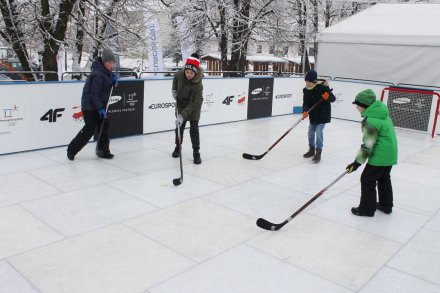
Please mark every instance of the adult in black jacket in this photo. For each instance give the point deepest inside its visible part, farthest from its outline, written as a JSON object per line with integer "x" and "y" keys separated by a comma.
{"x": 94, "y": 100}
{"x": 313, "y": 92}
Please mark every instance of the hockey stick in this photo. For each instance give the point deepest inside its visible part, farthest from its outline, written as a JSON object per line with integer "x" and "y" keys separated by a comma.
{"x": 259, "y": 157}
{"x": 264, "y": 224}
{"x": 101, "y": 152}
{"x": 179, "y": 181}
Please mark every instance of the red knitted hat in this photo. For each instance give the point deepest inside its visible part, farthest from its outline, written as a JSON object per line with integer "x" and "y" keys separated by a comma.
{"x": 192, "y": 64}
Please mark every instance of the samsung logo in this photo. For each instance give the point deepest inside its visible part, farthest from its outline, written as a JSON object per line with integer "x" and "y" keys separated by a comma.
{"x": 402, "y": 101}
{"x": 114, "y": 99}
{"x": 257, "y": 91}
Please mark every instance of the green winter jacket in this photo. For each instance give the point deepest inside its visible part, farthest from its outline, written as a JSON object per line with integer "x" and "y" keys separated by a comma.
{"x": 379, "y": 137}
{"x": 189, "y": 95}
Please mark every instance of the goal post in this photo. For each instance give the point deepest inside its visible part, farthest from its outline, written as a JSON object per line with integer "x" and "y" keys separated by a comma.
{"x": 410, "y": 108}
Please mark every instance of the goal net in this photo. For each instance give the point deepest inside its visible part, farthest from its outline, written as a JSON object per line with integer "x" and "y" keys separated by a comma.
{"x": 413, "y": 109}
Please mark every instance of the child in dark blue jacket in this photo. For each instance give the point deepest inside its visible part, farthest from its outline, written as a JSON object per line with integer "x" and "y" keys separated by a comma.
{"x": 314, "y": 92}
{"x": 95, "y": 96}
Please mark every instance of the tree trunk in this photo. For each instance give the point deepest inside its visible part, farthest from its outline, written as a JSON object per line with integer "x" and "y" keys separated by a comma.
{"x": 302, "y": 22}
{"x": 223, "y": 38}
{"x": 14, "y": 35}
{"x": 54, "y": 35}
{"x": 79, "y": 43}
{"x": 315, "y": 26}
{"x": 240, "y": 35}
{"x": 100, "y": 31}
{"x": 327, "y": 13}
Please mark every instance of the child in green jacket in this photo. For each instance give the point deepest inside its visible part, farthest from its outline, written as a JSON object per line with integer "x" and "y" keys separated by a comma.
{"x": 380, "y": 149}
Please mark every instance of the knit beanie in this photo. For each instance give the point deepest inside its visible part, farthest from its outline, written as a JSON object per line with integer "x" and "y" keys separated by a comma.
{"x": 311, "y": 76}
{"x": 107, "y": 55}
{"x": 365, "y": 98}
{"x": 193, "y": 63}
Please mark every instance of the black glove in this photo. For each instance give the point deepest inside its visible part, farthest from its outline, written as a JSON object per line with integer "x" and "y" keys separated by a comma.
{"x": 352, "y": 167}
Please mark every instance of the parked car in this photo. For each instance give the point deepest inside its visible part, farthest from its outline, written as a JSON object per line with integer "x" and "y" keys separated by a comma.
{"x": 126, "y": 72}
{"x": 4, "y": 78}
{"x": 12, "y": 65}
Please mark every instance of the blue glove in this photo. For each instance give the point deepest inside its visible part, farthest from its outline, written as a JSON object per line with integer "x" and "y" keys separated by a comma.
{"x": 103, "y": 113}
{"x": 115, "y": 80}
{"x": 179, "y": 120}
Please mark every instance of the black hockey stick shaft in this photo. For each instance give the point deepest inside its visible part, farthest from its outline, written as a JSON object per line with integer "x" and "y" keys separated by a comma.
{"x": 258, "y": 157}
{"x": 264, "y": 224}
{"x": 179, "y": 181}
{"x": 103, "y": 120}
{"x": 179, "y": 137}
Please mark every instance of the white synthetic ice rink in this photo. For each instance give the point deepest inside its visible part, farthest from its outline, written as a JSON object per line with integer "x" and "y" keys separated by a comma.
{"x": 95, "y": 225}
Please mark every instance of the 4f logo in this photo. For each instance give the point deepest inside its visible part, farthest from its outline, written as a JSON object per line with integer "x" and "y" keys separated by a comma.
{"x": 52, "y": 115}
{"x": 228, "y": 100}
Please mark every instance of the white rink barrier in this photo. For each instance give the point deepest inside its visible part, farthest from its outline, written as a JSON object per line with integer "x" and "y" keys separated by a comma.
{"x": 42, "y": 115}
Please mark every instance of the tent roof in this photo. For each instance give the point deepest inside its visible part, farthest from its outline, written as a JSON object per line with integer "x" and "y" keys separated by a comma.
{"x": 258, "y": 58}
{"x": 399, "y": 24}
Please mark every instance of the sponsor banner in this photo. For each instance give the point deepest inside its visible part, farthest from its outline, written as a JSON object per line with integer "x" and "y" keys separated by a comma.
{"x": 39, "y": 115}
{"x": 126, "y": 109}
{"x": 345, "y": 92}
{"x": 42, "y": 115}
{"x": 159, "y": 106}
{"x": 224, "y": 100}
{"x": 288, "y": 93}
{"x": 155, "y": 54}
{"x": 260, "y": 97}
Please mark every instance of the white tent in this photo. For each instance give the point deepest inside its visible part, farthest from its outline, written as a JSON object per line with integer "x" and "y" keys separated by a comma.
{"x": 399, "y": 43}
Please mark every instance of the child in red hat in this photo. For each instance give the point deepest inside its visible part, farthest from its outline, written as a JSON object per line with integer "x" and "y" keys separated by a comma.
{"x": 187, "y": 90}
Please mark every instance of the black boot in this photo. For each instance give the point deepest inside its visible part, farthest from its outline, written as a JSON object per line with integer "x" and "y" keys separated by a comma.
{"x": 361, "y": 213}
{"x": 70, "y": 155}
{"x": 383, "y": 209}
{"x": 104, "y": 154}
{"x": 317, "y": 156}
{"x": 175, "y": 153}
{"x": 197, "y": 159}
{"x": 310, "y": 153}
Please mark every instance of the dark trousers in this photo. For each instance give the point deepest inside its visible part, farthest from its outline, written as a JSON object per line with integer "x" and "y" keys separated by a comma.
{"x": 193, "y": 132}
{"x": 92, "y": 123}
{"x": 372, "y": 176}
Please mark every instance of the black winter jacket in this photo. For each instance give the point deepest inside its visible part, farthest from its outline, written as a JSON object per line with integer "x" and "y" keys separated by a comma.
{"x": 322, "y": 113}
{"x": 97, "y": 88}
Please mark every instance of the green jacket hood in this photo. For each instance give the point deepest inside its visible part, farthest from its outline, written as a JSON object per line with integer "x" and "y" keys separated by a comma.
{"x": 376, "y": 110}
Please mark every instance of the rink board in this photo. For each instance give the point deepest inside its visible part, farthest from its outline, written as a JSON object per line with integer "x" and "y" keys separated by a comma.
{"x": 42, "y": 115}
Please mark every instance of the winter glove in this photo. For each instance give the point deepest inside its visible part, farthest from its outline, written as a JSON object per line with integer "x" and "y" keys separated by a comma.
{"x": 115, "y": 80}
{"x": 179, "y": 120}
{"x": 103, "y": 113}
{"x": 174, "y": 93}
{"x": 352, "y": 167}
{"x": 325, "y": 96}
{"x": 305, "y": 115}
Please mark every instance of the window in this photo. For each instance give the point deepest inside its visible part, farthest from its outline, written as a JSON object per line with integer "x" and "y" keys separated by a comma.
{"x": 271, "y": 49}
{"x": 259, "y": 48}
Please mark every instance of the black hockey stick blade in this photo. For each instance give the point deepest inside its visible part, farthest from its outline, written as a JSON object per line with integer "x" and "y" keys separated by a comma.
{"x": 264, "y": 224}
{"x": 177, "y": 181}
{"x": 253, "y": 157}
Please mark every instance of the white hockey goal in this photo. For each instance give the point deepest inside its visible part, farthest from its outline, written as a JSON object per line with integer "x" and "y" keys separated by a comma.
{"x": 414, "y": 109}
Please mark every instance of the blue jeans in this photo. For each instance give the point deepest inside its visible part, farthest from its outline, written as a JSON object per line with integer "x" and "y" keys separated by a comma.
{"x": 316, "y": 131}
